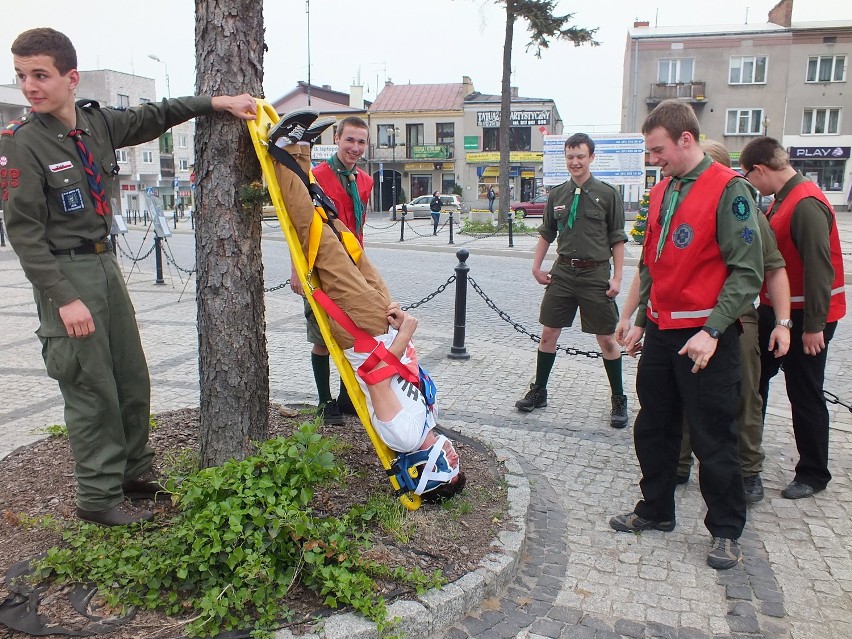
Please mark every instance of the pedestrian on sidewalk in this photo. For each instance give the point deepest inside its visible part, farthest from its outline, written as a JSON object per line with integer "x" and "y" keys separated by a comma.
{"x": 702, "y": 267}
{"x": 586, "y": 218}
{"x": 435, "y": 208}
{"x": 806, "y": 227}
{"x": 491, "y": 197}
{"x": 61, "y": 159}
{"x": 349, "y": 188}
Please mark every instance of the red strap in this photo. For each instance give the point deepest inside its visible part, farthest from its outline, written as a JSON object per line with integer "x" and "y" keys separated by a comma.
{"x": 364, "y": 343}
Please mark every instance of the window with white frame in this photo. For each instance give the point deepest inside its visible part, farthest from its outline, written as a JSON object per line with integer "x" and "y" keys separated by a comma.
{"x": 747, "y": 69}
{"x": 821, "y": 121}
{"x": 183, "y": 165}
{"x": 674, "y": 70}
{"x": 121, "y": 156}
{"x": 182, "y": 141}
{"x": 147, "y": 157}
{"x": 743, "y": 121}
{"x": 826, "y": 68}
{"x": 123, "y": 101}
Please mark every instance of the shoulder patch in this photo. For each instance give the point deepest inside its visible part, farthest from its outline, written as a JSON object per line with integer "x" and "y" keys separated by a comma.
{"x": 10, "y": 128}
{"x": 747, "y": 235}
{"x": 741, "y": 208}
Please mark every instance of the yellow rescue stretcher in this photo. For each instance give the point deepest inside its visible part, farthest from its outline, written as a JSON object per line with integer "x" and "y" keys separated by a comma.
{"x": 259, "y": 130}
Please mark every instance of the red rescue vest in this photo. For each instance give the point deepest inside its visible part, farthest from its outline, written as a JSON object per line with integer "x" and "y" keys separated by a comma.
{"x": 330, "y": 183}
{"x": 780, "y": 221}
{"x": 690, "y": 273}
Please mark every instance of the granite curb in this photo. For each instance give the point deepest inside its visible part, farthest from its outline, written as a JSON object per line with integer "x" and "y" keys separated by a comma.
{"x": 439, "y": 608}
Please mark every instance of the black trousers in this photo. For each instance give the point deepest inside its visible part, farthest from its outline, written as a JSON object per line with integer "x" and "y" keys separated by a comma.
{"x": 667, "y": 388}
{"x": 804, "y": 376}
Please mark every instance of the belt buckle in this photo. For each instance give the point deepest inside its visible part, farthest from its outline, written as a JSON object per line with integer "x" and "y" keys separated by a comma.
{"x": 573, "y": 262}
{"x": 101, "y": 247}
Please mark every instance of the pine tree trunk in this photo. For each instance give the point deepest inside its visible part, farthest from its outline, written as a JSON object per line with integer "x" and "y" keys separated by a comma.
{"x": 505, "y": 107}
{"x": 233, "y": 361}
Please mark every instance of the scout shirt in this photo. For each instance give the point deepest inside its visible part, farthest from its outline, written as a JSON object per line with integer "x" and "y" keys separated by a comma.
{"x": 809, "y": 226}
{"x": 598, "y": 226}
{"x": 742, "y": 252}
{"x": 48, "y": 204}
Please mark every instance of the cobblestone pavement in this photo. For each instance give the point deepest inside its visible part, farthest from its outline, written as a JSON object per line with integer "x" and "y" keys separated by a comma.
{"x": 577, "y": 578}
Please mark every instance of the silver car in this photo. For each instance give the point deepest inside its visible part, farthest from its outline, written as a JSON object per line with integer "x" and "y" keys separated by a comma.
{"x": 419, "y": 206}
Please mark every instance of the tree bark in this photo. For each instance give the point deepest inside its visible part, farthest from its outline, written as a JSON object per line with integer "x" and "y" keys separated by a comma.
{"x": 233, "y": 361}
{"x": 503, "y": 198}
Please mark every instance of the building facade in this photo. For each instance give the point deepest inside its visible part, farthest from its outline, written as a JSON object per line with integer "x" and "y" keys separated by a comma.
{"x": 782, "y": 79}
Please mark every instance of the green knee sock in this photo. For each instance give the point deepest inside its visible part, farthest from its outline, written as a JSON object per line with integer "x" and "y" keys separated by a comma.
{"x": 613, "y": 372}
{"x": 543, "y": 366}
{"x": 322, "y": 372}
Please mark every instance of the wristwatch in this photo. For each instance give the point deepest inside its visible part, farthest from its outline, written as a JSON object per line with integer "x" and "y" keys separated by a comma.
{"x": 712, "y": 332}
{"x": 786, "y": 323}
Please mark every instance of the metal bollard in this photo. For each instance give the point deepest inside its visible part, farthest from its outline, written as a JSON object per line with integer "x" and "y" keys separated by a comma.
{"x": 158, "y": 260}
{"x": 511, "y": 220}
{"x": 402, "y": 224}
{"x": 175, "y": 216}
{"x": 458, "y": 350}
{"x": 451, "y": 228}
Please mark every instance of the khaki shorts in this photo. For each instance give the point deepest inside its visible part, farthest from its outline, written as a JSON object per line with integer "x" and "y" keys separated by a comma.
{"x": 314, "y": 334}
{"x": 583, "y": 288}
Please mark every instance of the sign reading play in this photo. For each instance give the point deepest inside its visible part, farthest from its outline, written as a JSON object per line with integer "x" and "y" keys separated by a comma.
{"x": 822, "y": 152}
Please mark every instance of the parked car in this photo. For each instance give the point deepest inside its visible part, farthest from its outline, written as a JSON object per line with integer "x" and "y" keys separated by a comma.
{"x": 533, "y": 208}
{"x": 419, "y": 206}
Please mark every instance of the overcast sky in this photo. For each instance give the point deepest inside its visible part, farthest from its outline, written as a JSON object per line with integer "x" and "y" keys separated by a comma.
{"x": 370, "y": 41}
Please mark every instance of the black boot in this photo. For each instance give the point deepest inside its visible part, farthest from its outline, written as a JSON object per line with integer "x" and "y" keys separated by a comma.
{"x": 618, "y": 414}
{"x": 536, "y": 397}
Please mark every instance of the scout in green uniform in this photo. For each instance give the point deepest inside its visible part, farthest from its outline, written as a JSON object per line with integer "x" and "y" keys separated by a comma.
{"x": 586, "y": 218}
{"x": 59, "y": 177}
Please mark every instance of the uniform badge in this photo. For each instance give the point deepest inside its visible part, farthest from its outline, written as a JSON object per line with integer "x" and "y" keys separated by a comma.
{"x": 559, "y": 207}
{"x": 60, "y": 166}
{"x": 682, "y": 236}
{"x": 3, "y": 160}
{"x": 72, "y": 201}
{"x": 747, "y": 235}
{"x": 741, "y": 208}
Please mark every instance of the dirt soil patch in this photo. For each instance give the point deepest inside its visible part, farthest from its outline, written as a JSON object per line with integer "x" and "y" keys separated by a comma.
{"x": 38, "y": 480}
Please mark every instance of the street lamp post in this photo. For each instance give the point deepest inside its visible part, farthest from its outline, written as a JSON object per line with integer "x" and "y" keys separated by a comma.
{"x": 163, "y": 62}
{"x": 393, "y": 176}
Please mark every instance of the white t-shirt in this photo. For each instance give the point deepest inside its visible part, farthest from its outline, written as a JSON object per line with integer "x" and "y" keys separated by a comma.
{"x": 407, "y": 430}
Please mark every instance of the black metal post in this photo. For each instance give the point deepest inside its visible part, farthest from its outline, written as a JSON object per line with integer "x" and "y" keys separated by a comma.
{"x": 158, "y": 259}
{"x": 175, "y": 216}
{"x": 458, "y": 350}
{"x": 511, "y": 220}
{"x": 402, "y": 224}
{"x": 451, "y": 228}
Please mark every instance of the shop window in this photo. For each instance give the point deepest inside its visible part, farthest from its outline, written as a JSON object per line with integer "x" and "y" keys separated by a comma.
{"x": 448, "y": 181}
{"x": 826, "y": 68}
{"x": 421, "y": 185}
{"x": 821, "y": 122}
{"x": 743, "y": 121}
{"x": 827, "y": 174}
{"x": 747, "y": 69}
{"x": 520, "y": 138}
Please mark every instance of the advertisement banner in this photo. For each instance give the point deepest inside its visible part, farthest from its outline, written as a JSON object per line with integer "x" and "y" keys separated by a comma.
{"x": 619, "y": 159}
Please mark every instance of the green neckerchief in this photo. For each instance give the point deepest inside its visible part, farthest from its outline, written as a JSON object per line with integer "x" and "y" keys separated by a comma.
{"x": 350, "y": 177}
{"x": 572, "y": 215}
{"x": 666, "y": 220}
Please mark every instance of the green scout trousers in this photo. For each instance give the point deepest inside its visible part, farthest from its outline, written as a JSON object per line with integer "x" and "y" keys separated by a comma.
{"x": 103, "y": 379}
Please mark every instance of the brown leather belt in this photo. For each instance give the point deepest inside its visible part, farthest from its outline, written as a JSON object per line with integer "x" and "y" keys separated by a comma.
{"x": 574, "y": 262}
{"x": 89, "y": 248}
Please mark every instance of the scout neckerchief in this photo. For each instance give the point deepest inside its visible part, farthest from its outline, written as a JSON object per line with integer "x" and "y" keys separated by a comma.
{"x": 572, "y": 214}
{"x": 667, "y": 218}
{"x": 352, "y": 187}
{"x": 93, "y": 175}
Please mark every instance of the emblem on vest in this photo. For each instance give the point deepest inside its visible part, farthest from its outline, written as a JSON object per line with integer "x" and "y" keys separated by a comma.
{"x": 682, "y": 236}
{"x": 741, "y": 208}
{"x": 747, "y": 235}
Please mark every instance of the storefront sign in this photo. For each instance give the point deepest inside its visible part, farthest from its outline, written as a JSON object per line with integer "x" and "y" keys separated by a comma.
{"x": 820, "y": 152}
{"x": 531, "y": 117}
{"x": 471, "y": 143}
{"x": 489, "y": 157}
{"x": 430, "y": 151}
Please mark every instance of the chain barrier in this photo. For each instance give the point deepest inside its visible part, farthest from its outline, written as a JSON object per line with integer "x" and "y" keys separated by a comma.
{"x": 134, "y": 259}
{"x": 381, "y": 228}
{"x": 414, "y": 230}
{"x": 831, "y": 398}
{"x": 171, "y": 260}
{"x": 570, "y": 350}
{"x": 431, "y": 295}
{"x": 276, "y": 288}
